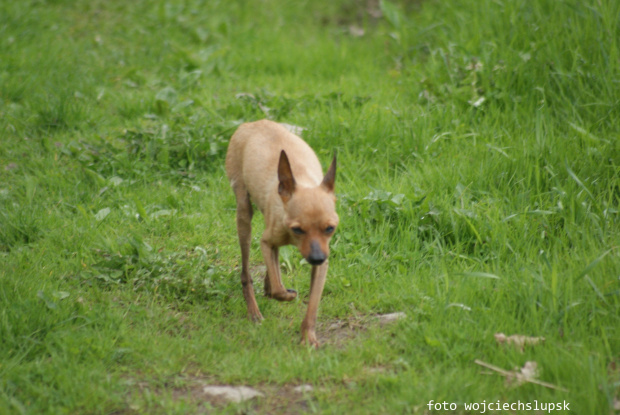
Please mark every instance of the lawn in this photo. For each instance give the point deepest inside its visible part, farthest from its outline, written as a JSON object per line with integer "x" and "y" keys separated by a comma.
{"x": 478, "y": 191}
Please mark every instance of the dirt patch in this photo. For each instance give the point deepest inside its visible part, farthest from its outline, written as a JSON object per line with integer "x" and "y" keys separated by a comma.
{"x": 204, "y": 393}
{"x": 339, "y": 332}
{"x": 208, "y": 395}
{"x": 285, "y": 400}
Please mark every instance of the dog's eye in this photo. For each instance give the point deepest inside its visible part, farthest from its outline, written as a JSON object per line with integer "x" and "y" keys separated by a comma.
{"x": 329, "y": 229}
{"x": 298, "y": 231}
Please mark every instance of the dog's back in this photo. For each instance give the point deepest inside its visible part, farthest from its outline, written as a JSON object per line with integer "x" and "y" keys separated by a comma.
{"x": 253, "y": 155}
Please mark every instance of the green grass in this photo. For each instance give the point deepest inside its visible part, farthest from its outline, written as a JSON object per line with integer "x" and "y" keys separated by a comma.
{"x": 478, "y": 185}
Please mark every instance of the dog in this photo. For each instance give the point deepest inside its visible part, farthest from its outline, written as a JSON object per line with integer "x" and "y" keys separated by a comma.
{"x": 276, "y": 170}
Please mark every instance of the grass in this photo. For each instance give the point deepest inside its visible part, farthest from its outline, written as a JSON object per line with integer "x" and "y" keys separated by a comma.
{"x": 478, "y": 185}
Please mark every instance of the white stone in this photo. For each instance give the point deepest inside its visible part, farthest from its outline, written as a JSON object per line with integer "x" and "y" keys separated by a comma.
{"x": 389, "y": 318}
{"x": 303, "y": 388}
{"x": 233, "y": 393}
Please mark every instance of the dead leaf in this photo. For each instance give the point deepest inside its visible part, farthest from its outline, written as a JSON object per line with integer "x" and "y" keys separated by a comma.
{"x": 528, "y": 373}
{"x": 518, "y": 340}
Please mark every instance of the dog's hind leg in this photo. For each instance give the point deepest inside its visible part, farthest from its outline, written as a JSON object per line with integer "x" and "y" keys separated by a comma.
{"x": 244, "y": 230}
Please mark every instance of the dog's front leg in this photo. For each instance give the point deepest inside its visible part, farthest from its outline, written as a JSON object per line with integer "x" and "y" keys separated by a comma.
{"x": 274, "y": 288}
{"x": 317, "y": 283}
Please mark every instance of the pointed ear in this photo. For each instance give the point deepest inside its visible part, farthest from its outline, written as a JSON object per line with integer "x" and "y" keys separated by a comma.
{"x": 286, "y": 187}
{"x": 330, "y": 176}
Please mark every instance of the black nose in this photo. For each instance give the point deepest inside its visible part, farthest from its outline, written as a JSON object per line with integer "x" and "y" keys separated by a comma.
{"x": 317, "y": 256}
{"x": 316, "y": 260}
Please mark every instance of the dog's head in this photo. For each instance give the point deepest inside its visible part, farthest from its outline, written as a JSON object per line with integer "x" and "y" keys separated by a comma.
{"x": 311, "y": 212}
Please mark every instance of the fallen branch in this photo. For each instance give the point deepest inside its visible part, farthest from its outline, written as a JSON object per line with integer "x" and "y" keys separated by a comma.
{"x": 526, "y": 374}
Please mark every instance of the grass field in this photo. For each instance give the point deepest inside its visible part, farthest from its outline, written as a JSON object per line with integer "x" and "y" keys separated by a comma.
{"x": 478, "y": 190}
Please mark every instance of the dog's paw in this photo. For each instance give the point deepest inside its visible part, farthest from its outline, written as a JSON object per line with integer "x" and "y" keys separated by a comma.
{"x": 309, "y": 339}
{"x": 288, "y": 295}
{"x": 255, "y": 316}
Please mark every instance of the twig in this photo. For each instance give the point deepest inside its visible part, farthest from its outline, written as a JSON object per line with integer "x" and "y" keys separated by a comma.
{"x": 511, "y": 375}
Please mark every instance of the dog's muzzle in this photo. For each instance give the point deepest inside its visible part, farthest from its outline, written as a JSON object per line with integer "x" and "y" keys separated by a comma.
{"x": 317, "y": 256}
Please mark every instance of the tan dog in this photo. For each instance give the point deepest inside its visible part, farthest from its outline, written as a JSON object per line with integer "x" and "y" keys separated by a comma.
{"x": 272, "y": 167}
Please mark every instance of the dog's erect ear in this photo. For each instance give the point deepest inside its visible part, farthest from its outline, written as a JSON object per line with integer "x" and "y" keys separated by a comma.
{"x": 330, "y": 176}
{"x": 285, "y": 176}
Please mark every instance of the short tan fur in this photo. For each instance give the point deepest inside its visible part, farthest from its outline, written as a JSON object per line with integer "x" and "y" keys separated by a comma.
{"x": 277, "y": 171}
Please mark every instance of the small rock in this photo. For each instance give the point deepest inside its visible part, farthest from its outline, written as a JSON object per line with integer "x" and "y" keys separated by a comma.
{"x": 233, "y": 393}
{"x": 303, "y": 388}
{"x": 390, "y": 318}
